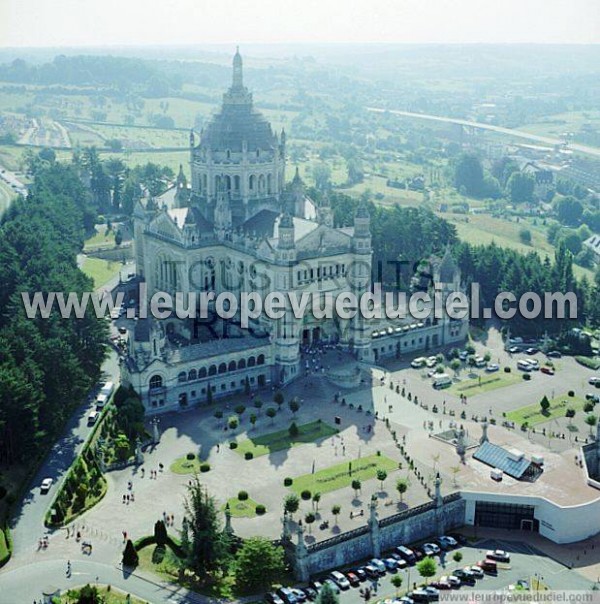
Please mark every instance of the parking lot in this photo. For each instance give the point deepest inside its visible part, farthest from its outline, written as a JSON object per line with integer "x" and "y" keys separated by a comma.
{"x": 527, "y": 565}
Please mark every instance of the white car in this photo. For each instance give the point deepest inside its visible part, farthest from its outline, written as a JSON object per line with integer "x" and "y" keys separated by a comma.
{"x": 594, "y": 380}
{"x": 477, "y": 572}
{"x": 431, "y": 362}
{"x": 492, "y": 367}
{"x": 430, "y": 549}
{"x": 46, "y": 485}
{"x": 341, "y": 581}
{"x": 447, "y": 541}
{"x": 450, "y": 580}
{"x": 498, "y": 555}
{"x": 534, "y": 364}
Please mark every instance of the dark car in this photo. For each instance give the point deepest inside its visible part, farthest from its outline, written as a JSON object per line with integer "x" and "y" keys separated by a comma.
{"x": 372, "y": 572}
{"x": 406, "y": 553}
{"x": 465, "y": 577}
{"x": 310, "y": 593}
{"x": 287, "y": 595}
{"x": 440, "y": 585}
{"x": 554, "y": 354}
{"x": 361, "y": 574}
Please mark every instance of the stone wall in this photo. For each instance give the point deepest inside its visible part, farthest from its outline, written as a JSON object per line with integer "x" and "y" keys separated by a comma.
{"x": 409, "y": 526}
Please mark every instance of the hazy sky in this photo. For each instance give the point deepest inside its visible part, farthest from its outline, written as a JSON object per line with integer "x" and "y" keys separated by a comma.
{"x": 135, "y": 22}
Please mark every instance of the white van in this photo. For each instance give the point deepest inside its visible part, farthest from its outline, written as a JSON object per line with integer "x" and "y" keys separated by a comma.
{"x": 101, "y": 401}
{"x": 418, "y": 363}
{"x": 496, "y": 474}
{"x": 92, "y": 418}
{"x": 107, "y": 389}
{"x": 523, "y": 365}
{"x": 442, "y": 380}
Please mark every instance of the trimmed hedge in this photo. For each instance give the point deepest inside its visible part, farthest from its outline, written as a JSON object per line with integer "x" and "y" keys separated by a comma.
{"x": 205, "y": 467}
{"x": 248, "y": 455}
{"x": 260, "y": 509}
{"x": 243, "y": 495}
{"x": 287, "y": 481}
{"x": 233, "y": 445}
{"x": 306, "y": 495}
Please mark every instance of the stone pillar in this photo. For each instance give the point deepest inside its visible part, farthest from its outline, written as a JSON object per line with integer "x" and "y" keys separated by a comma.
{"x": 228, "y": 528}
{"x": 155, "y": 432}
{"x": 139, "y": 455}
{"x": 374, "y": 528}
{"x": 301, "y": 566}
{"x": 484, "y": 435}
{"x": 439, "y": 506}
{"x": 461, "y": 447}
{"x": 285, "y": 533}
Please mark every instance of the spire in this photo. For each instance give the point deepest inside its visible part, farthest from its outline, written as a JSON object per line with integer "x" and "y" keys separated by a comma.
{"x": 238, "y": 78}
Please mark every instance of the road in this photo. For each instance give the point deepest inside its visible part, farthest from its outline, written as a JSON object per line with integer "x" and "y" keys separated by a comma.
{"x": 594, "y": 151}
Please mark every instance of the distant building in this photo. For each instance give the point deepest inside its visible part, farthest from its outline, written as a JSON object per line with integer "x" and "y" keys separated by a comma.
{"x": 593, "y": 243}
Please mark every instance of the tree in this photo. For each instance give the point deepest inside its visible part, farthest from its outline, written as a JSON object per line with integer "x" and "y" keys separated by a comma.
{"x": 279, "y": 398}
{"x": 525, "y": 236}
{"x": 427, "y": 568}
{"x": 591, "y": 420}
{"x": 545, "y": 405}
{"x": 569, "y": 210}
{"x": 397, "y": 582}
{"x": 208, "y": 544}
{"x": 160, "y": 532}
{"x": 218, "y": 414}
{"x": 258, "y": 564}
{"x": 322, "y": 176}
{"x": 468, "y": 174}
{"x": 271, "y": 412}
{"x": 233, "y": 422}
{"x": 130, "y": 555}
{"x": 294, "y": 406}
{"x": 356, "y": 485}
{"x": 253, "y": 419}
{"x": 89, "y": 594}
{"x": 335, "y": 510}
{"x": 520, "y": 186}
{"x": 315, "y": 500}
{"x": 118, "y": 238}
{"x": 401, "y": 487}
{"x": 258, "y": 403}
{"x": 239, "y": 409}
{"x": 291, "y": 504}
{"x": 570, "y": 413}
{"x": 455, "y": 365}
{"x": 309, "y": 519}
{"x": 381, "y": 476}
{"x": 327, "y": 595}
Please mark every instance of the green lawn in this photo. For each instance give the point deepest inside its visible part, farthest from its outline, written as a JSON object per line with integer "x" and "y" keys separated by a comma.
{"x": 339, "y": 476}
{"x": 100, "y": 239}
{"x": 532, "y": 414}
{"x": 278, "y": 441}
{"x": 242, "y": 509}
{"x": 108, "y": 595}
{"x": 101, "y": 271}
{"x": 486, "y": 383}
{"x": 183, "y": 465}
{"x": 3, "y": 546}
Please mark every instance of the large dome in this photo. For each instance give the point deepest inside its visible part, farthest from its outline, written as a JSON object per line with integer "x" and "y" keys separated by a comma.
{"x": 238, "y": 121}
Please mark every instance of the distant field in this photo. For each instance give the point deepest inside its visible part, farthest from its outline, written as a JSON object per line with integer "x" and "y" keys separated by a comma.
{"x": 487, "y": 382}
{"x": 101, "y": 271}
{"x": 532, "y": 414}
{"x": 562, "y": 123}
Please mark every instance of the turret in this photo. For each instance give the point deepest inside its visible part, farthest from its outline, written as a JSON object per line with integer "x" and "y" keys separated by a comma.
{"x": 324, "y": 212}
{"x": 297, "y": 194}
{"x": 238, "y": 76}
{"x": 362, "y": 229}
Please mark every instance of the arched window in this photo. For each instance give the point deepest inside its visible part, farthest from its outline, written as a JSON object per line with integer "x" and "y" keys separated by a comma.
{"x": 269, "y": 184}
{"x": 217, "y": 183}
{"x": 182, "y": 377}
{"x": 222, "y": 368}
{"x": 242, "y": 364}
{"x": 261, "y": 183}
{"x": 201, "y": 373}
{"x": 212, "y": 370}
{"x": 228, "y": 183}
{"x": 252, "y": 182}
{"x": 251, "y": 362}
{"x": 261, "y": 359}
{"x": 192, "y": 375}
{"x": 156, "y": 382}
{"x": 236, "y": 184}
{"x": 231, "y": 366}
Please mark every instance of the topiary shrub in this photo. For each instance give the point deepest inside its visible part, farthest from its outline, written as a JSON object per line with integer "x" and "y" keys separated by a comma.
{"x": 204, "y": 467}
{"x": 233, "y": 445}
{"x": 287, "y": 481}
{"x": 243, "y": 495}
{"x": 190, "y": 456}
{"x": 293, "y": 430}
{"x": 526, "y": 377}
{"x": 306, "y": 494}
{"x": 260, "y": 509}
{"x": 507, "y": 370}
{"x": 571, "y": 393}
{"x": 248, "y": 455}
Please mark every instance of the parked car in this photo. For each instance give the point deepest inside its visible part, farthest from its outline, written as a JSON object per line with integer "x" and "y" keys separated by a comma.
{"x": 92, "y": 418}
{"x": 361, "y": 574}
{"x": 404, "y": 600}
{"x": 532, "y": 350}
{"x": 391, "y": 564}
{"x": 476, "y": 570}
{"x": 340, "y": 579}
{"x": 430, "y": 549}
{"x": 353, "y": 579}
{"x": 332, "y": 584}
{"x": 492, "y": 367}
{"x": 273, "y": 598}
{"x": 466, "y": 576}
{"x": 434, "y": 594}
{"x": 514, "y": 349}
{"x": 300, "y": 595}
{"x": 46, "y": 485}
{"x": 372, "y": 572}
{"x": 287, "y": 595}
{"x": 440, "y": 585}
{"x": 534, "y": 364}
{"x": 488, "y": 566}
{"x": 400, "y": 561}
{"x": 594, "y": 380}
{"x": 592, "y": 397}
{"x": 554, "y": 354}
{"x": 407, "y": 554}
{"x": 460, "y": 539}
{"x": 310, "y": 593}
{"x": 548, "y": 370}
{"x": 316, "y": 585}
{"x": 379, "y": 565}
{"x": 498, "y": 555}
{"x": 447, "y": 542}
{"x": 452, "y": 580}
{"x": 421, "y": 595}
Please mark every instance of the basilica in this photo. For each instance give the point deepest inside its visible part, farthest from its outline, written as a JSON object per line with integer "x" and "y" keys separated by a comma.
{"x": 239, "y": 227}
